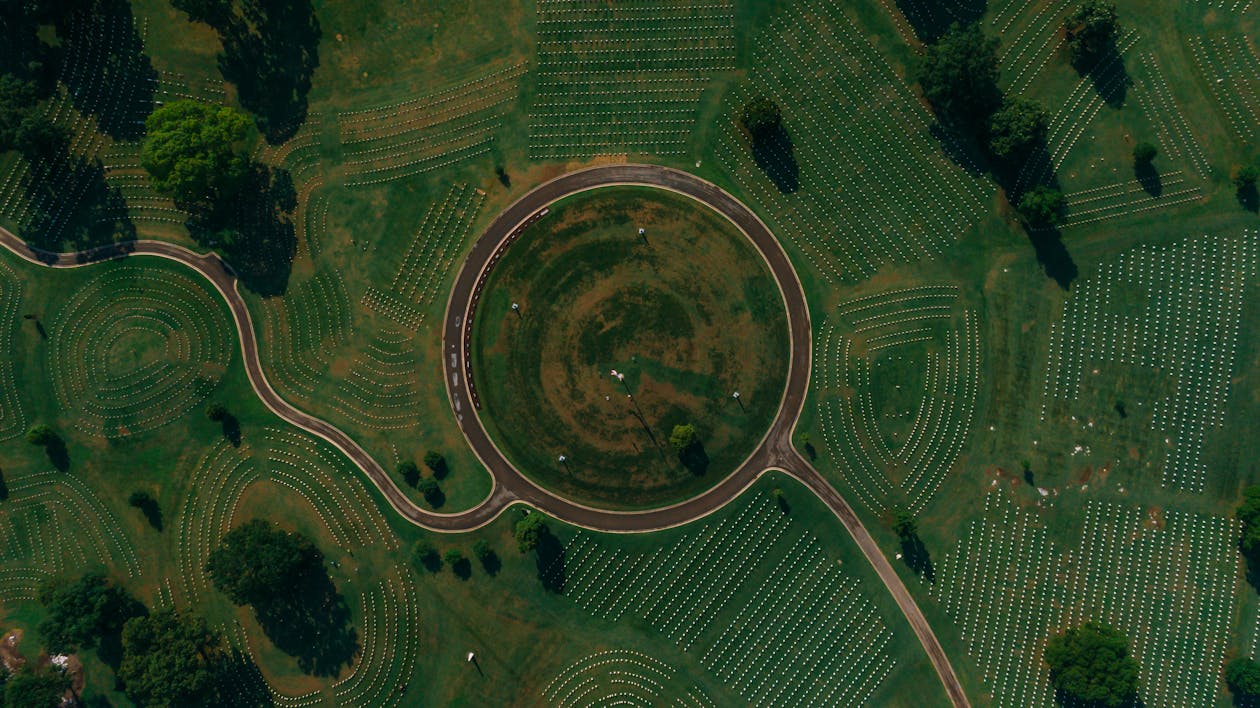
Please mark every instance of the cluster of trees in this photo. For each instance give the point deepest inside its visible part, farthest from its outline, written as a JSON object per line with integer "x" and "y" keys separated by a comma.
{"x": 425, "y": 557}
{"x": 427, "y": 486}
{"x": 270, "y": 50}
{"x": 173, "y": 659}
{"x": 959, "y": 78}
{"x": 161, "y": 659}
{"x": 1090, "y": 666}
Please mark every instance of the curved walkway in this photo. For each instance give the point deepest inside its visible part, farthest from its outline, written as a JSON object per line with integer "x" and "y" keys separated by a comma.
{"x": 774, "y": 452}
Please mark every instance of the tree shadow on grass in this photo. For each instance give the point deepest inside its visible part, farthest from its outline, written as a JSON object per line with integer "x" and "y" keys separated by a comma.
{"x": 931, "y": 18}
{"x": 916, "y": 556}
{"x": 774, "y": 153}
{"x": 111, "y": 79}
{"x": 491, "y": 563}
{"x": 1046, "y": 239}
{"x": 1249, "y": 198}
{"x": 551, "y": 563}
{"x": 72, "y": 207}
{"x": 109, "y": 646}
{"x": 311, "y": 622}
{"x": 462, "y": 568}
{"x": 1053, "y": 256}
{"x": 1108, "y": 75}
{"x": 695, "y": 459}
{"x": 231, "y": 429}
{"x": 240, "y": 682}
{"x": 152, "y": 513}
{"x": 58, "y": 455}
{"x": 270, "y": 53}
{"x": 1147, "y": 176}
{"x": 255, "y": 233}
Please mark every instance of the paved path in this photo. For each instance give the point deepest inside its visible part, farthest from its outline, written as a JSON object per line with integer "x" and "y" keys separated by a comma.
{"x": 775, "y": 450}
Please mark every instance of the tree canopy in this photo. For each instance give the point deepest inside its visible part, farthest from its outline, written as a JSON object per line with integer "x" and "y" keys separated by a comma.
{"x": 409, "y": 472}
{"x": 904, "y": 524}
{"x": 1242, "y": 675}
{"x": 36, "y": 688}
{"x": 959, "y": 76}
{"x": 196, "y": 153}
{"x": 1246, "y": 176}
{"x": 1144, "y": 153}
{"x": 21, "y": 122}
{"x": 424, "y": 555}
{"x": 170, "y": 659}
{"x": 1091, "y": 32}
{"x": 1042, "y": 206}
{"x": 530, "y": 531}
{"x": 41, "y": 434}
{"x": 761, "y": 116}
{"x": 1249, "y": 514}
{"x": 1017, "y": 129}
{"x": 683, "y": 437}
{"x": 80, "y": 612}
{"x": 255, "y": 559}
{"x": 436, "y": 463}
{"x": 1090, "y": 666}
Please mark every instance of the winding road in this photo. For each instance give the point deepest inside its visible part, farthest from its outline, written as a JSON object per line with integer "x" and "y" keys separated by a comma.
{"x": 775, "y": 451}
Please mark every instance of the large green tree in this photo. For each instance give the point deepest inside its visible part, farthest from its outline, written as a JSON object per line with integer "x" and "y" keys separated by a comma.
{"x": 683, "y": 437}
{"x": 959, "y": 77}
{"x": 1017, "y": 129}
{"x": 23, "y": 124}
{"x": 530, "y": 531}
{"x": 256, "y": 560}
{"x": 36, "y": 688}
{"x": 1242, "y": 675}
{"x": 82, "y": 611}
{"x": 41, "y": 434}
{"x": 1042, "y": 206}
{"x": 761, "y": 116}
{"x": 196, "y": 153}
{"x": 1091, "y": 32}
{"x": 171, "y": 659}
{"x": 1249, "y": 514}
{"x": 1090, "y": 667}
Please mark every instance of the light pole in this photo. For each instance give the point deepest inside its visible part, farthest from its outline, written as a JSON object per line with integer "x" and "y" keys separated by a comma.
{"x": 622, "y": 378}
{"x": 643, "y": 234}
{"x": 564, "y": 461}
{"x": 516, "y": 308}
{"x": 737, "y": 400}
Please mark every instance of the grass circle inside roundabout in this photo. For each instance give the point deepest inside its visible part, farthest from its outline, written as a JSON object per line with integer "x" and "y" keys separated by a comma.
{"x": 688, "y": 313}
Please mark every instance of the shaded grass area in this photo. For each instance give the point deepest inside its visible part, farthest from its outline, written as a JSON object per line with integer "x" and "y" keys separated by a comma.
{"x": 687, "y": 313}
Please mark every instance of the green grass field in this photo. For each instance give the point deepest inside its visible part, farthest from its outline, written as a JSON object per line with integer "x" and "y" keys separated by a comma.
{"x": 1069, "y": 454}
{"x": 688, "y": 314}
